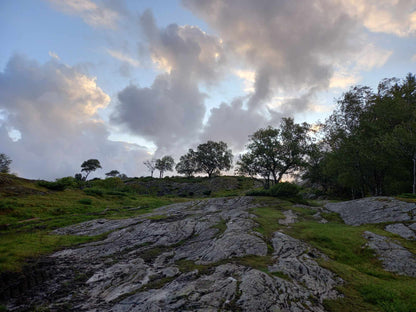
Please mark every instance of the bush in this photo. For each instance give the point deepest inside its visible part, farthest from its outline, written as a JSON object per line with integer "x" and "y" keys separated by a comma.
{"x": 93, "y": 192}
{"x": 54, "y": 186}
{"x": 284, "y": 189}
{"x": 85, "y": 201}
{"x": 258, "y": 192}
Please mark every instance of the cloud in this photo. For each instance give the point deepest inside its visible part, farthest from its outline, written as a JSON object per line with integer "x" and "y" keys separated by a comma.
{"x": 396, "y": 17}
{"x": 168, "y": 113}
{"x": 93, "y": 14}
{"x": 187, "y": 50}
{"x": 123, "y": 57}
{"x": 50, "y": 122}
{"x": 232, "y": 124}
{"x": 290, "y": 44}
{"x": 54, "y": 55}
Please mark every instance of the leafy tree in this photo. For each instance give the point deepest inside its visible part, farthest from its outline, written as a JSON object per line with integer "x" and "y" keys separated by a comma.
{"x": 166, "y": 163}
{"x": 113, "y": 173}
{"x": 212, "y": 157}
{"x": 151, "y": 165}
{"x": 5, "y": 162}
{"x": 187, "y": 164}
{"x": 89, "y": 166}
{"x": 274, "y": 152}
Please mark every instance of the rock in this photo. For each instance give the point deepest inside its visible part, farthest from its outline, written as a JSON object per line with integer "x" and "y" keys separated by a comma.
{"x": 412, "y": 226}
{"x": 373, "y": 210}
{"x": 296, "y": 259}
{"x": 402, "y": 230}
{"x": 137, "y": 266}
{"x": 290, "y": 217}
{"x": 395, "y": 258}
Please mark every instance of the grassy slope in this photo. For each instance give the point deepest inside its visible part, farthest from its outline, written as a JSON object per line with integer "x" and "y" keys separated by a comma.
{"x": 367, "y": 286}
{"x": 28, "y": 213}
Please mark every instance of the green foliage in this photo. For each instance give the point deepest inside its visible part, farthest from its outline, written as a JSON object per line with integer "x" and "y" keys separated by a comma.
{"x": 369, "y": 142}
{"x": 275, "y": 152}
{"x": 187, "y": 164}
{"x": 94, "y": 191}
{"x": 166, "y": 163}
{"x": 5, "y": 162}
{"x": 85, "y": 201}
{"x": 89, "y": 166}
{"x": 284, "y": 189}
{"x": 212, "y": 157}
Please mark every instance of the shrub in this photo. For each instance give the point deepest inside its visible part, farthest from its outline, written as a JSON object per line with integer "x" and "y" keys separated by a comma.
{"x": 258, "y": 192}
{"x": 85, "y": 201}
{"x": 93, "y": 192}
{"x": 284, "y": 189}
{"x": 54, "y": 186}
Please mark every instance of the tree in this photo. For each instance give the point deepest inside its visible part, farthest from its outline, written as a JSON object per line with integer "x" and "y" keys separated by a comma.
{"x": 187, "y": 164}
{"x": 275, "y": 152}
{"x": 5, "y": 162}
{"x": 151, "y": 165}
{"x": 166, "y": 163}
{"x": 213, "y": 156}
{"x": 113, "y": 173}
{"x": 89, "y": 166}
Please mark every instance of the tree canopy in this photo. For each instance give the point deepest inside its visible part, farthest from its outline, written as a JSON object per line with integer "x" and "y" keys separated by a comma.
{"x": 212, "y": 157}
{"x": 273, "y": 152}
{"x": 5, "y": 162}
{"x": 89, "y": 166}
{"x": 163, "y": 164}
{"x": 187, "y": 164}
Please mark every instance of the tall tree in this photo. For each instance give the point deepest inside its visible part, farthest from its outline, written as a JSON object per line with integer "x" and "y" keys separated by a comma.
{"x": 113, "y": 173}
{"x": 275, "y": 152}
{"x": 89, "y": 166}
{"x": 5, "y": 162}
{"x": 213, "y": 157}
{"x": 163, "y": 164}
{"x": 151, "y": 165}
{"x": 187, "y": 164}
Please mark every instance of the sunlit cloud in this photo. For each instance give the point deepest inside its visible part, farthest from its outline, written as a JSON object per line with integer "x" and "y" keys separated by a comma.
{"x": 54, "y": 55}
{"x": 92, "y": 14}
{"x": 249, "y": 78}
{"x": 123, "y": 57}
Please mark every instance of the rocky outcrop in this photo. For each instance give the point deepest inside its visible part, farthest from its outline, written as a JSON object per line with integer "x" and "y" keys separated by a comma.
{"x": 374, "y": 210}
{"x": 184, "y": 257}
{"x": 395, "y": 258}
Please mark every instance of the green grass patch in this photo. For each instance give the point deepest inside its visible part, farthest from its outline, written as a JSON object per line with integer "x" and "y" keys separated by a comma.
{"x": 221, "y": 227}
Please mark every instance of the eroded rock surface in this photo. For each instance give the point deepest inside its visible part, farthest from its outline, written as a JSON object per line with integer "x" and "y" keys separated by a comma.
{"x": 374, "y": 210}
{"x": 183, "y": 257}
{"x": 402, "y": 230}
{"x": 395, "y": 257}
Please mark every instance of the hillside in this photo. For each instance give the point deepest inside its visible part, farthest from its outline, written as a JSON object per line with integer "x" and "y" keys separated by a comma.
{"x": 235, "y": 253}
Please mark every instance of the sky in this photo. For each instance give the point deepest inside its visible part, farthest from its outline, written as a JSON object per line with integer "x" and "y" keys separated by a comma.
{"x": 124, "y": 81}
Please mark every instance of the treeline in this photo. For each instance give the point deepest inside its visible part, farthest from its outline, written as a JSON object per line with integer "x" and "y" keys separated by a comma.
{"x": 368, "y": 144}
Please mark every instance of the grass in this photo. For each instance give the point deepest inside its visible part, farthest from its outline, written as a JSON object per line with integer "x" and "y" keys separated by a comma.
{"x": 26, "y": 220}
{"x": 367, "y": 286}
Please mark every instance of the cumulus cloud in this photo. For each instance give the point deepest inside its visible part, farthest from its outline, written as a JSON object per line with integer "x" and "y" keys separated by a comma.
{"x": 396, "y": 17}
{"x": 187, "y": 50}
{"x": 92, "y": 13}
{"x": 232, "y": 124}
{"x": 53, "y": 108}
{"x": 290, "y": 44}
{"x": 170, "y": 112}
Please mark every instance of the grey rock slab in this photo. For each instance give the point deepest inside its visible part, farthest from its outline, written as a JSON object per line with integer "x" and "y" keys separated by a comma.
{"x": 290, "y": 217}
{"x": 95, "y": 227}
{"x": 395, "y": 257}
{"x": 402, "y": 230}
{"x": 373, "y": 210}
{"x": 296, "y": 259}
{"x": 412, "y": 226}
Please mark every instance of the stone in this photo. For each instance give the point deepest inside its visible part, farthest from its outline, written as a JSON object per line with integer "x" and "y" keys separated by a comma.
{"x": 395, "y": 257}
{"x": 373, "y": 210}
{"x": 402, "y": 230}
{"x": 290, "y": 217}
